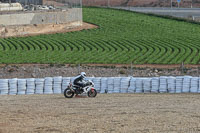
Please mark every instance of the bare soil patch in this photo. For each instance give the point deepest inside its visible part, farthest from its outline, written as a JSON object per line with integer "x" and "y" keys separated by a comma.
{"x": 30, "y": 30}
{"x": 97, "y": 70}
{"x": 138, "y": 113}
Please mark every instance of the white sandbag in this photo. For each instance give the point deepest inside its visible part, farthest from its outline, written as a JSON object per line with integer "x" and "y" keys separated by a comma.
{"x": 4, "y": 86}
{"x": 57, "y": 85}
{"x": 97, "y": 83}
{"x": 186, "y": 84}
{"x": 21, "y": 88}
{"x": 48, "y": 85}
{"x": 155, "y": 84}
{"x": 179, "y": 84}
{"x": 147, "y": 85}
{"x": 171, "y": 84}
{"x": 194, "y": 85}
{"x": 65, "y": 83}
{"x": 110, "y": 84}
{"x": 131, "y": 88}
{"x": 104, "y": 85}
{"x": 12, "y": 86}
{"x": 89, "y": 78}
{"x": 30, "y": 86}
{"x": 163, "y": 84}
{"x": 199, "y": 86}
{"x": 125, "y": 82}
{"x": 39, "y": 89}
{"x": 139, "y": 85}
{"x": 117, "y": 84}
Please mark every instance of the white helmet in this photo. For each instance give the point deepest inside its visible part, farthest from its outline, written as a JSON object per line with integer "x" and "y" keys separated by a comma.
{"x": 83, "y": 74}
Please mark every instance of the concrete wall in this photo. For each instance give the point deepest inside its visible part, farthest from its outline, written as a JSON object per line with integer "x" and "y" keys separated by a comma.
{"x": 57, "y": 17}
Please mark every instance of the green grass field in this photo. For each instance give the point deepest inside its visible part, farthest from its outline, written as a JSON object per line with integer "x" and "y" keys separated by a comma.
{"x": 122, "y": 37}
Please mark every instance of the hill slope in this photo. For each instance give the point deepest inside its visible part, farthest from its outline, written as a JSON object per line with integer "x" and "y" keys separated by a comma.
{"x": 142, "y": 3}
{"x": 122, "y": 37}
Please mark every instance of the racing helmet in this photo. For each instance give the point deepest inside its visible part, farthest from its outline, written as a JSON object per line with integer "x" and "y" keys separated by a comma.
{"x": 83, "y": 74}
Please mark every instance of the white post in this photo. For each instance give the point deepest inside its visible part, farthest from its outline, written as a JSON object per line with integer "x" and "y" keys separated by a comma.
{"x": 131, "y": 68}
{"x": 79, "y": 70}
{"x": 171, "y": 4}
{"x": 81, "y": 4}
{"x": 108, "y": 3}
{"x": 191, "y": 3}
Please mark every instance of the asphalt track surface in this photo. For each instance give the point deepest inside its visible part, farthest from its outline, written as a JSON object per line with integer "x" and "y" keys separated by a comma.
{"x": 193, "y": 13}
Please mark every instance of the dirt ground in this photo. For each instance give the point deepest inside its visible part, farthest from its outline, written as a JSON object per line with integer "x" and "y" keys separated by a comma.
{"x": 126, "y": 113}
{"x": 31, "y": 30}
{"x": 48, "y": 70}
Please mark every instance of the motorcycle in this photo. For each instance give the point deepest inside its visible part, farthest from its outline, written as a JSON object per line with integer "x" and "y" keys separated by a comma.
{"x": 73, "y": 89}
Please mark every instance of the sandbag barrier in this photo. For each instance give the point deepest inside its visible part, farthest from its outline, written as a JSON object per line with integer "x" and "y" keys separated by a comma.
{"x": 57, "y": 85}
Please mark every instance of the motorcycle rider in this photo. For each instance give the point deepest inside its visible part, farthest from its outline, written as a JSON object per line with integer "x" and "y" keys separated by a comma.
{"x": 79, "y": 80}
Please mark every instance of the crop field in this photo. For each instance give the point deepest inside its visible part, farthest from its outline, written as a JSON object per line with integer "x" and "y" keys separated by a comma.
{"x": 122, "y": 37}
{"x": 110, "y": 113}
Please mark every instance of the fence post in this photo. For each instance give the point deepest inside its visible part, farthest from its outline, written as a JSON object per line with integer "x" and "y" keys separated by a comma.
{"x": 108, "y": 3}
{"x": 79, "y": 68}
{"x": 131, "y": 68}
{"x": 171, "y": 4}
{"x": 182, "y": 67}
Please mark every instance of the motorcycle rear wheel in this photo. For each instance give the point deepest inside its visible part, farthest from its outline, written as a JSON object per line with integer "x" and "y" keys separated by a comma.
{"x": 68, "y": 93}
{"x": 92, "y": 93}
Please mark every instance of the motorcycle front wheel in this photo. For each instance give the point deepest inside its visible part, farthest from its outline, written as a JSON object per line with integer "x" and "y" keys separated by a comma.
{"x": 92, "y": 93}
{"x": 68, "y": 93}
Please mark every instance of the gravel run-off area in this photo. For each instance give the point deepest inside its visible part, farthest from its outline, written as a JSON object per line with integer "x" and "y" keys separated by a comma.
{"x": 46, "y": 70}
{"x": 126, "y": 113}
